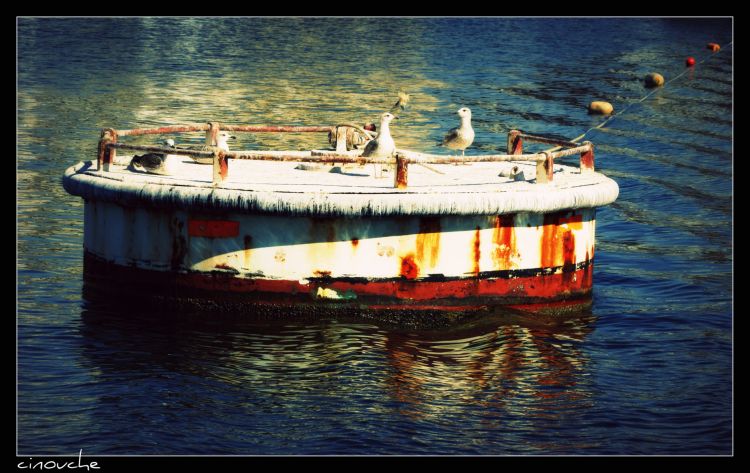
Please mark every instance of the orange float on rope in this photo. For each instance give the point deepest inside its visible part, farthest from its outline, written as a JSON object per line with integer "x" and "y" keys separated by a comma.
{"x": 713, "y": 47}
{"x": 654, "y": 79}
{"x": 600, "y": 108}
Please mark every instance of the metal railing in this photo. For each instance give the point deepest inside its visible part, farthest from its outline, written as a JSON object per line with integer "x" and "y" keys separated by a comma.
{"x": 108, "y": 145}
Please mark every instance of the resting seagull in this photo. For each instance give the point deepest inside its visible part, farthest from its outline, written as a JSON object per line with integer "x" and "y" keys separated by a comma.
{"x": 221, "y": 144}
{"x": 463, "y": 136}
{"x": 154, "y": 163}
{"x": 383, "y": 146}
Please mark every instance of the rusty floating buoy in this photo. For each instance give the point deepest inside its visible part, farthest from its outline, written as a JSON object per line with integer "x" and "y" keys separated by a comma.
{"x": 600, "y": 108}
{"x": 713, "y": 47}
{"x": 690, "y": 62}
{"x": 654, "y": 79}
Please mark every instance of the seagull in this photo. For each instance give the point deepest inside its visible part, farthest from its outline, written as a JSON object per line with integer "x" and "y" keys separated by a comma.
{"x": 403, "y": 99}
{"x": 383, "y": 146}
{"x": 221, "y": 145}
{"x": 154, "y": 163}
{"x": 461, "y": 137}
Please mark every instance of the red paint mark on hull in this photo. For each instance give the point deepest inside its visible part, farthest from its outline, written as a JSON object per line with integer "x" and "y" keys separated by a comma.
{"x": 213, "y": 228}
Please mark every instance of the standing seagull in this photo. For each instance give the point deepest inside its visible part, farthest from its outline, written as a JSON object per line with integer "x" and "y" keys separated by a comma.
{"x": 154, "y": 163}
{"x": 221, "y": 144}
{"x": 463, "y": 136}
{"x": 383, "y": 146}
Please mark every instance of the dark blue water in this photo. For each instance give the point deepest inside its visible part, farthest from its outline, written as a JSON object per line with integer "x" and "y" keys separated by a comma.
{"x": 647, "y": 371}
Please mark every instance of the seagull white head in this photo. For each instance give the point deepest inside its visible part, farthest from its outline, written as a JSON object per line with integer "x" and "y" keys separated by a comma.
{"x": 464, "y": 112}
{"x": 169, "y": 142}
{"x": 387, "y": 117}
{"x": 221, "y": 140}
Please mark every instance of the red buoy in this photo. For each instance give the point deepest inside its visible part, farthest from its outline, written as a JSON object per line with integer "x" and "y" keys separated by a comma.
{"x": 690, "y": 62}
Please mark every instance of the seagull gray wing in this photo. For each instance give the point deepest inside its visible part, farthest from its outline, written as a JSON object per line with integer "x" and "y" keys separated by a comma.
{"x": 451, "y": 136}
{"x": 152, "y": 160}
{"x": 152, "y": 163}
{"x": 370, "y": 148}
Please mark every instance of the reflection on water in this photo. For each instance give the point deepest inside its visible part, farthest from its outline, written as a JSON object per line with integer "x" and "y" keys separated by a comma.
{"x": 518, "y": 373}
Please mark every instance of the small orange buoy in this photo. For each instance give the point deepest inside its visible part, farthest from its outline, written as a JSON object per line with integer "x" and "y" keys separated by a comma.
{"x": 654, "y": 80}
{"x": 713, "y": 47}
{"x": 600, "y": 108}
{"x": 690, "y": 62}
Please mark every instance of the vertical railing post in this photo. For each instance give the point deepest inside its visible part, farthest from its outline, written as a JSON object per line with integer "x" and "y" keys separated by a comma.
{"x": 212, "y": 133}
{"x": 341, "y": 139}
{"x": 587, "y": 158}
{"x": 221, "y": 167}
{"x": 545, "y": 169}
{"x": 401, "y": 176}
{"x": 515, "y": 143}
{"x": 106, "y": 155}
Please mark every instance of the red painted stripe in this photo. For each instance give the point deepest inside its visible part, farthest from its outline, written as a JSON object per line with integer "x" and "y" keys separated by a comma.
{"x": 460, "y": 294}
{"x": 213, "y": 228}
{"x": 544, "y": 286}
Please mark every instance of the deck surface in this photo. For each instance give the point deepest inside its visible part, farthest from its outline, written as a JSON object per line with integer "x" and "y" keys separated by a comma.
{"x": 350, "y": 189}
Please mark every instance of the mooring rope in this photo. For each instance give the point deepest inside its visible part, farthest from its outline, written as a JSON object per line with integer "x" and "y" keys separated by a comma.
{"x": 656, "y": 89}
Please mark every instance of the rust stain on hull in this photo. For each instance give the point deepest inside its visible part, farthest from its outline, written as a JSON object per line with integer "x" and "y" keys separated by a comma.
{"x": 323, "y": 228}
{"x": 558, "y": 245}
{"x": 476, "y": 251}
{"x": 504, "y": 239}
{"x": 569, "y": 255}
{"x": 409, "y": 267}
{"x": 428, "y": 242}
